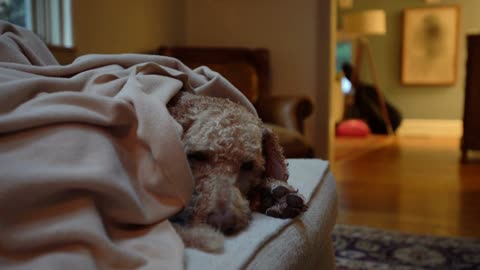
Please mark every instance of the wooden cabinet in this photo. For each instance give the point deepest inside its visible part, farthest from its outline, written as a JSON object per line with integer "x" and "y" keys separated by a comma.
{"x": 471, "y": 114}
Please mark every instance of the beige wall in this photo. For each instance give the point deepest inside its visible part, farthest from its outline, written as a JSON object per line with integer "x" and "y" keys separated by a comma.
{"x": 121, "y": 26}
{"x": 418, "y": 102}
{"x": 285, "y": 27}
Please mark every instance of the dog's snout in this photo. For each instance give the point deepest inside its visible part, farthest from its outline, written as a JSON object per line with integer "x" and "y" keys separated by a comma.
{"x": 223, "y": 220}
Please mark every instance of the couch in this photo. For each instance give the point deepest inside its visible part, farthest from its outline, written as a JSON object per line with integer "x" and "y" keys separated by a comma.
{"x": 93, "y": 169}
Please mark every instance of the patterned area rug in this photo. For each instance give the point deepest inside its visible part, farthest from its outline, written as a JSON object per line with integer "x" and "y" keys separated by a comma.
{"x": 366, "y": 248}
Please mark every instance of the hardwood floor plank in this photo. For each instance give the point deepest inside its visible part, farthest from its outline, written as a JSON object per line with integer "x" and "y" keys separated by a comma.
{"x": 411, "y": 184}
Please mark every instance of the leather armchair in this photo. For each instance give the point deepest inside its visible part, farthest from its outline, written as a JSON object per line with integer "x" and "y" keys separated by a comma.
{"x": 285, "y": 115}
{"x": 249, "y": 71}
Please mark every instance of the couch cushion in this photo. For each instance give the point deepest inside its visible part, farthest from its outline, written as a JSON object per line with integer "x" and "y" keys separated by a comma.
{"x": 242, "y": 75}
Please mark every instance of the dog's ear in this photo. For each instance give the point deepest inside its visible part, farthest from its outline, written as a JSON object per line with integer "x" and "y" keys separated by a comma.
{"x": 275, "y": 163}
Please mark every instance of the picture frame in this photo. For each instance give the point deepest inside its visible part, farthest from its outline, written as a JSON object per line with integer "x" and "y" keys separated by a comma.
{"x": 430, "y": 46}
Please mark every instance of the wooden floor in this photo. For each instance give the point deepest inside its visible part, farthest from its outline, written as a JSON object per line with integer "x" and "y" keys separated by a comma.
{"x": 409, "y": 184}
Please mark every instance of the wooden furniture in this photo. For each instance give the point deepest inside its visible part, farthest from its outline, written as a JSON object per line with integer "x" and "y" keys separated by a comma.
{"x": 63, "y": 55}
{"x": 471, "y": 114}
{"x": 249, "y": 71}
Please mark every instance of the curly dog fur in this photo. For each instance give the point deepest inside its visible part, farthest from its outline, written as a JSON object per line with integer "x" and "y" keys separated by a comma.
{"x": 237, "y": 165}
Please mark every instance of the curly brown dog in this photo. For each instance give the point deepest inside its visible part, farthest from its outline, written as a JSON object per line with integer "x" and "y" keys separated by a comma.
{"x": 238, "y": 167}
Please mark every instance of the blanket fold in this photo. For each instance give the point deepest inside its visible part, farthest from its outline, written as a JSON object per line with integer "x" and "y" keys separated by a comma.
{"x": 91, "y": 162}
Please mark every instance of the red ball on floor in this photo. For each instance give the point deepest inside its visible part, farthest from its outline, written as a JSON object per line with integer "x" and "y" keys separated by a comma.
{"x": 352, "y": 128}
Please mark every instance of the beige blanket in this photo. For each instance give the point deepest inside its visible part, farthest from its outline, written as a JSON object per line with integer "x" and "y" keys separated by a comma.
{"x": 91, "y": 163}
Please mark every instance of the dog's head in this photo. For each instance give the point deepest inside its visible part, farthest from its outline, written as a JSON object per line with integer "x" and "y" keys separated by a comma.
{"x": 230, "y": 153}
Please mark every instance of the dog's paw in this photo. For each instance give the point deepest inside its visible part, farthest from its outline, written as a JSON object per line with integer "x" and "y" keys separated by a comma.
{"x": 285, "y": 201}
{"x": 202, "y": 237}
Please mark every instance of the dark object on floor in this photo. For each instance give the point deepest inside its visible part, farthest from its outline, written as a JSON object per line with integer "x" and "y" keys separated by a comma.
{"x": 368, "y": 248}
{"x": 249, "y": 70}
{"x": 367, "y": 107}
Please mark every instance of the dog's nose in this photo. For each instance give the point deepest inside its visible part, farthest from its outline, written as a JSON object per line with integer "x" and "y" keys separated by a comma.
{"x": 223, "y": 220}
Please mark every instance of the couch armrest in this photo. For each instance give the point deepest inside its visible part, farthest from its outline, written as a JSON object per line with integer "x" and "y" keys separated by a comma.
{"x": 286, "y": 111}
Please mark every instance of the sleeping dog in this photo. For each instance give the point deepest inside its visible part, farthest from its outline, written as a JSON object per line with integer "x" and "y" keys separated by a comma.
{"x": 238, "y": 167}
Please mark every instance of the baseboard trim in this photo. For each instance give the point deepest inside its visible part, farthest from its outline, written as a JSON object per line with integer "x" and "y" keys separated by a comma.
{"x": 430, "y": 128}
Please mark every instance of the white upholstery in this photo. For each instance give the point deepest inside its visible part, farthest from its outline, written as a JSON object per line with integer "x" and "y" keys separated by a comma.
{"x": 268, "y": 243}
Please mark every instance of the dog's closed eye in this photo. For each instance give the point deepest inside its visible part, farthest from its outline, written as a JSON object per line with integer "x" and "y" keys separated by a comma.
{"x": 248, "y": 165}
{"x": 198, "y": 156}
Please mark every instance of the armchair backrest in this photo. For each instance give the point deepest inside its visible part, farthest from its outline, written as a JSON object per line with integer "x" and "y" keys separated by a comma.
{"x": 247, "y": 69}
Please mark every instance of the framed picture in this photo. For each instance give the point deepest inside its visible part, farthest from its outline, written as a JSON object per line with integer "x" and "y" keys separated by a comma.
{"x": 430, "y": 45}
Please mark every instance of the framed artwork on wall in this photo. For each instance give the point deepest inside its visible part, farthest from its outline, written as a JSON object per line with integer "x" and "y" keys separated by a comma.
{"x": 430, "y": 46}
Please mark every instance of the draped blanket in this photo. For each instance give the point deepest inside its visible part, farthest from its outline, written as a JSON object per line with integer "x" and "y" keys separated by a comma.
{"x": 91, "y": 162}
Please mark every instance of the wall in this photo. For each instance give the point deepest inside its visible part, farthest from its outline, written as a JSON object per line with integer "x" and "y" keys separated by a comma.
{"x": 286, "y": 28}
{"x": 418, "y": 102}
{"x": 121, "y": 26}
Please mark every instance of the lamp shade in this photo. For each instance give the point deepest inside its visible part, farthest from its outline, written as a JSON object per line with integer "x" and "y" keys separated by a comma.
{"x": 369, "y": 22}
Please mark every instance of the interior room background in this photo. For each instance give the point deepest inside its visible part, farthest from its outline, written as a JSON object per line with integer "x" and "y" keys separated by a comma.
{"x": 417, "y": 102}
